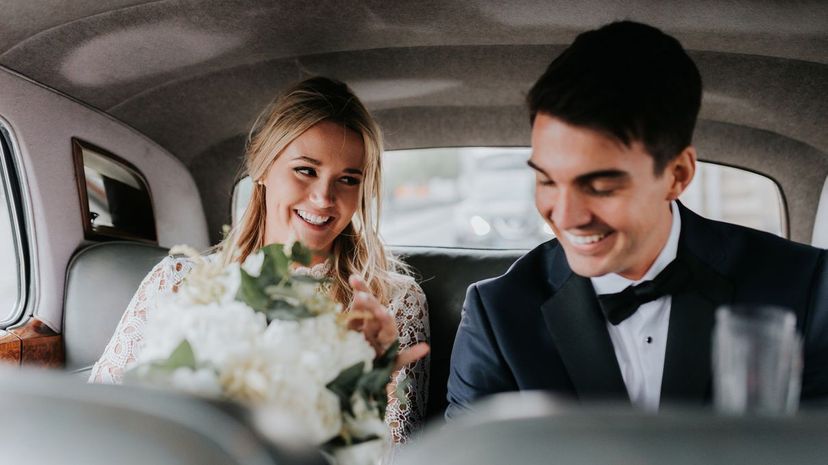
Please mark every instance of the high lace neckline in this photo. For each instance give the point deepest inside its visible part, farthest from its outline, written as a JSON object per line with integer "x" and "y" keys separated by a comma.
{"x": 318, "y": 271}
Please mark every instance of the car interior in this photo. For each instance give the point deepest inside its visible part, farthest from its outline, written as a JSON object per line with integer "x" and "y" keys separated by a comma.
{"x": 123, "y": 126}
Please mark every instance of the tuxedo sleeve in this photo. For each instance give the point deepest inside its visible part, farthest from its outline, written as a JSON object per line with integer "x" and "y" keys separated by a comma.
{"x": 815, "y": 373}
{"x": 477, "y": 365}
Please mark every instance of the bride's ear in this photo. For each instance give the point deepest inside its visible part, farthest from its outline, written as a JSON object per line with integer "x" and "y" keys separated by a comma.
{"x": 680, "y": 172}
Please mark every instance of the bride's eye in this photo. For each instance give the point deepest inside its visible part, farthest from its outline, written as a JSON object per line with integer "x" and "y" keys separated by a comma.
{"x": 304, "y": 170}
{"x": 349, "y": 180}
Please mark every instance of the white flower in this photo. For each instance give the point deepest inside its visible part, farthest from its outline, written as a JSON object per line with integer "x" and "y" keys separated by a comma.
{"x": 314, "y": 420}
{"x": 365, "y": 453}
{"x": 366, "y": 421}
{"x": 202, "y": 381}
{"x": 288, "y": 247}
{"x": 253, "y": 264}
{"x": 209, "y": 281}
{"x": 322, "y": 346}
{"x": 216, "y": 332}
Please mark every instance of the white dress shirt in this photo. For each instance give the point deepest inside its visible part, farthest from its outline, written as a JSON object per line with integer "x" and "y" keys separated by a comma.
{"x": 640, "y": 340}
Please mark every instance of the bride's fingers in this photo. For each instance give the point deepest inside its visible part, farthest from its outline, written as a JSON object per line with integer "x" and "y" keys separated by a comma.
{"x": 379, "y": 327}
{"x": 411, "y": 354}
{"x": 358, "y": 284}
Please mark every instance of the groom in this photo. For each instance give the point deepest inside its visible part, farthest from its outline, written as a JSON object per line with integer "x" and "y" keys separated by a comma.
{"x": 612, "y": 122}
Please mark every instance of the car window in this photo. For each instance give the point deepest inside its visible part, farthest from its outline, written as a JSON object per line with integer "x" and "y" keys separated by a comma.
{"x": 483, "y": 197}
{"x": 114, "y": 196}
{"x": 12, "y": 280}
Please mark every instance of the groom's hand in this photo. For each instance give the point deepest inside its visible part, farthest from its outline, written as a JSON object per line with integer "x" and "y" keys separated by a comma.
{"x": 378, "y": 326}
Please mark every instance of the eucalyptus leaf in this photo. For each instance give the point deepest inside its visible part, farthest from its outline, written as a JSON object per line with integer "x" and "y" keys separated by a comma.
{"x": 372, "y": 385}
{"x": 276, "y": 264}
{"x": 345, "y": 385}
{"x": 301, "y": 254}
{"x": 288, "y": 313}
{"x": 390, "y": 355}
{"x": 181, "y": 357}
{"x": 251, "y": 293}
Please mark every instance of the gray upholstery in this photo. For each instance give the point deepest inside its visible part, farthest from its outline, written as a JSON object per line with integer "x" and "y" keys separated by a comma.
{"x": 50, "y": 418}
{"x": 445, "y": 274}
{"x": 100, "y": 281}
{"x": 534, "y": 428}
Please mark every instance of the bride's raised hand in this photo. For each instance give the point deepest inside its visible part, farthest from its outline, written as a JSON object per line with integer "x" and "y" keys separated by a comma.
{"x": 379, "y": 328}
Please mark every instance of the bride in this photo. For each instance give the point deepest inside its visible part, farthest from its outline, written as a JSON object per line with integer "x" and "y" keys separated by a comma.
{"x": 314, "y": 156}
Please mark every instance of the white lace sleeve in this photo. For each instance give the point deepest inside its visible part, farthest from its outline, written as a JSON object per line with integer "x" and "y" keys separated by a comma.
{"x": 128, "y": 339}
{"x": 411, "y": 313}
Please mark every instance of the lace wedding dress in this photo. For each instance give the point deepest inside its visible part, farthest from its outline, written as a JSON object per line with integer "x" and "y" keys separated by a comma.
{"x": 403, "y": 416}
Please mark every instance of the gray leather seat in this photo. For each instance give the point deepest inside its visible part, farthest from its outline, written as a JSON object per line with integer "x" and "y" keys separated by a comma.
{"x": 537, "y": 428}
{"x": 100, "y": 281}
{"x": 50, "y": 418}
{"x": 445, "y": 274}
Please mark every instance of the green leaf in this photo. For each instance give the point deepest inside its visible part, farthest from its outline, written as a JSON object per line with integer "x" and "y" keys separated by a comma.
{"x": 276, "y": 264}
{"x": 251, "y": 293}
{"x": 288, "y": 312}
{"x": 345, "y": 385}
{"x": 372, "y": 385}
{"x": 400, "y": 391}
{"x": 181, "y": 357}
{"x": 301, "y": 254}
{"x": 390, "y": 355}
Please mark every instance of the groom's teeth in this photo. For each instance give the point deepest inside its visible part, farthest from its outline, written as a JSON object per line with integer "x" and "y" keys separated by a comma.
{"x": 313, "y": 219}
{"x": 584, "y": 240}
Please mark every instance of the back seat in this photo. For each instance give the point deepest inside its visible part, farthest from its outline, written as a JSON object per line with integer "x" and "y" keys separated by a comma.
{"x": 445, "y": 274}
{"x": 101, "y": 280}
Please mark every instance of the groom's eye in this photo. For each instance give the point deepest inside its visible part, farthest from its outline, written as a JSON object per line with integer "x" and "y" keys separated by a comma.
{"x": 542, "y": 180}
{"x": 602, "y": 188}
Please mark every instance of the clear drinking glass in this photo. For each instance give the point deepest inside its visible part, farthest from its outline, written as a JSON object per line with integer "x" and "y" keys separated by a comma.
{"x": 757, "y": 360}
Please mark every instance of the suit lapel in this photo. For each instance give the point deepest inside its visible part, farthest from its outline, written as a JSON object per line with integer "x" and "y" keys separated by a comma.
{"x": 687, "y": 359}
{"x": 579, "y": 332}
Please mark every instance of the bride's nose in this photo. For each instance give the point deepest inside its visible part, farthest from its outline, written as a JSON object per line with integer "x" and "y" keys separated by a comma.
{"x": 322, "y": 194}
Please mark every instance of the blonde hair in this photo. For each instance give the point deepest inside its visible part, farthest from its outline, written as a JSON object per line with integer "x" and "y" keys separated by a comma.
{"x": 358, "y": 249}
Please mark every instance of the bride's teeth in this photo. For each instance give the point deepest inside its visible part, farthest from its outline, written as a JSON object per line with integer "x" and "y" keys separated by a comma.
{"x": 583, "y": 240}
{"x": 313, "y": 219}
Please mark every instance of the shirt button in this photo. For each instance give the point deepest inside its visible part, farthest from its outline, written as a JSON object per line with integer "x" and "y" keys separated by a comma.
{"x": 648, "y": 340}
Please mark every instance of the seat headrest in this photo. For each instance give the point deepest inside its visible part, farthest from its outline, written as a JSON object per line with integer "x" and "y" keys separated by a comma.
{"x": 100, "y": 282}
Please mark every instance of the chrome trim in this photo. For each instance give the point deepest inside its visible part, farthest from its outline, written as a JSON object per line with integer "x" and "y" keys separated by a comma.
{"x": 819, "y": 235}
{"x": 28, "y": 297}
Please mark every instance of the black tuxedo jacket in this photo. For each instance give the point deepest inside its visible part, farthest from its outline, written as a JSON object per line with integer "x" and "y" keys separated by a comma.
{"x": 539, "y": 325}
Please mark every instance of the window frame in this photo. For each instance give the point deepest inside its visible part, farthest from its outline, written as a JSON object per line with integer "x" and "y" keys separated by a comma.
{"x": 783, "y": 200}
{"x": 106, "y": 233}
{"x": 14, "y": 184}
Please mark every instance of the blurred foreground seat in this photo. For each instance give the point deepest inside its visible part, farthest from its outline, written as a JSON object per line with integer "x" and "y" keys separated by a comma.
{"x": 50, "y": 418}
{"x": 536, "y": 429}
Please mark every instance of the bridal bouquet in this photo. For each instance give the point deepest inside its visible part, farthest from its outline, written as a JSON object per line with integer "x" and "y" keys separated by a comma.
{"x": 260, "y": 334}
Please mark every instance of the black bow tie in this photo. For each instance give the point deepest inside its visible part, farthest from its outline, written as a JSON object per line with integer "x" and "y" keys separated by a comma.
{"x": 620, "y": 306}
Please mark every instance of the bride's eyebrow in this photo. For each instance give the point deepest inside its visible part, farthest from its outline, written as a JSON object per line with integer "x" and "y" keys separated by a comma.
{"x": 315, "y": 162}
{"x": 305, "y": 158}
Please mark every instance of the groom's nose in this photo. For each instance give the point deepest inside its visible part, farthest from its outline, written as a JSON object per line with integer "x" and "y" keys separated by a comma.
{"x": 569, "y": 210}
